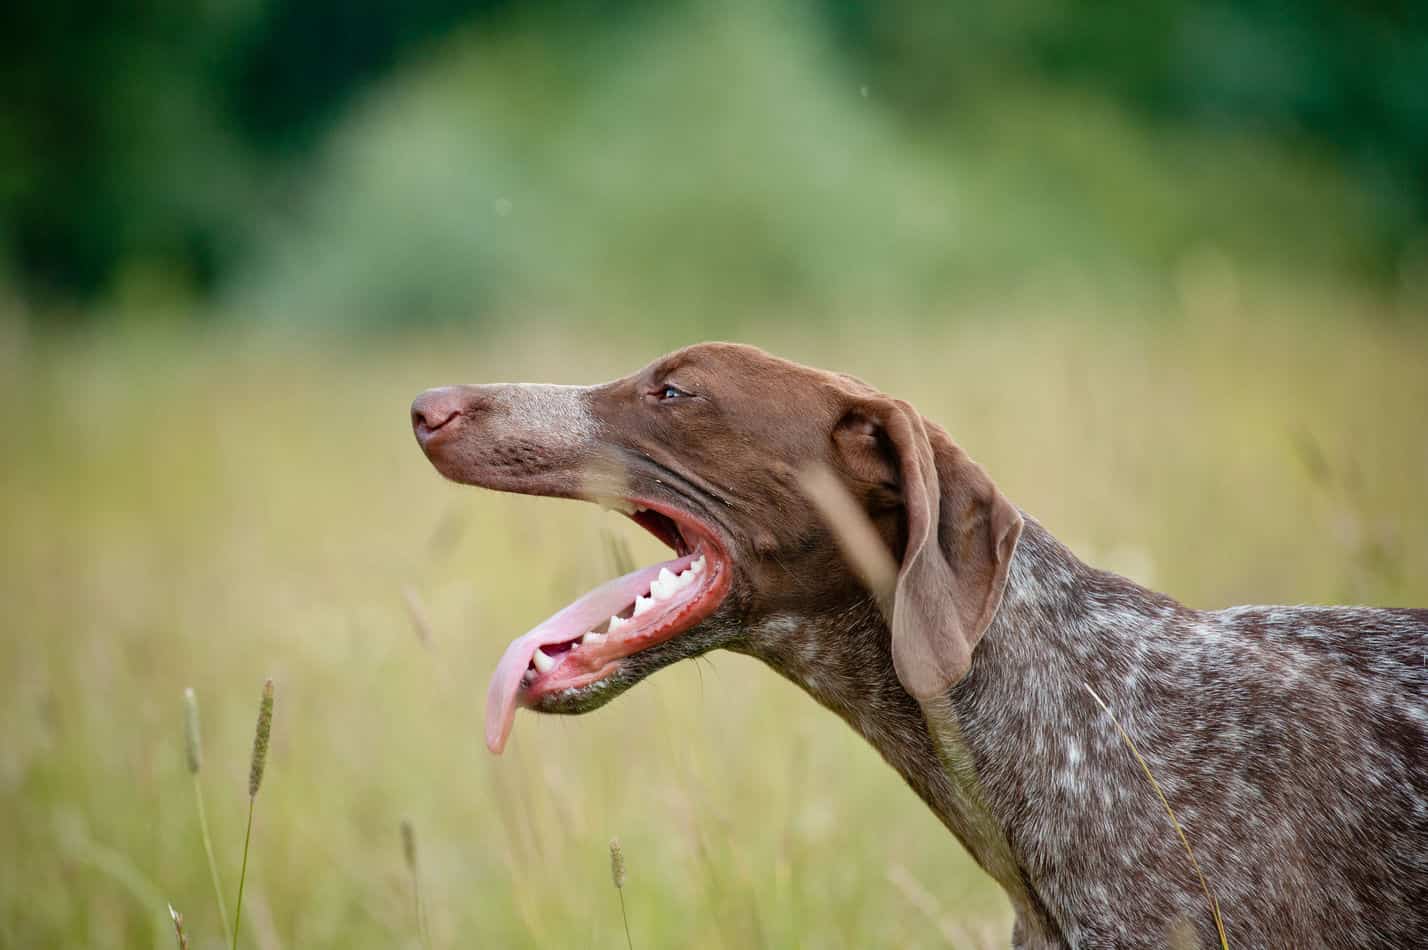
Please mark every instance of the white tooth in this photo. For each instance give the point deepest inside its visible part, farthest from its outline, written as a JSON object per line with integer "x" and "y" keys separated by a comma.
{"x": 542, "y": 662}
{"x": 666, "y": 585}
{"x": 684, "y": 580}
{"x": 642, "y": 604}
{"x": 698, "y": 565}
{"x": 616, "y": 625}
{"x": 595, "y": 639}
{"x": 528, "y": 676}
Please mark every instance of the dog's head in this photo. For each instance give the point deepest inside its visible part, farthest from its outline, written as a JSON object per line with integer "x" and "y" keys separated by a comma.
{"x": 709, "y": 449}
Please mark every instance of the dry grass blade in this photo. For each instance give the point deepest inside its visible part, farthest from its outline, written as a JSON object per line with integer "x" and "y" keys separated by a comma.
{"x": 1312, "y": 457}
{"x": 918, "y": 896}
{"x": 1189, "y": 852}
{"x": 855, "y": 534}
{"x": 617, "y": 549}
{"x": 178, "y": 928}
{"x": 71, "y": 834}
{"x": 409, "y": 855}
{"x": 193, "y": 754}
{"x": 416, "y": 610}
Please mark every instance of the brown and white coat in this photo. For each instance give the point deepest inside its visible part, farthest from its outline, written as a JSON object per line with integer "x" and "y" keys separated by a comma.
{"x": 1291, "y": 742}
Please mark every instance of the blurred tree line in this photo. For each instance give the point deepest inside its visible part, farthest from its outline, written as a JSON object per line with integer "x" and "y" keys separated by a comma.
{"x": 178, "y": 138}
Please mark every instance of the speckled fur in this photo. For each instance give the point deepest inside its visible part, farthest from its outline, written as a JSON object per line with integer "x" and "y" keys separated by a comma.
{"x": 1292, "y": 743}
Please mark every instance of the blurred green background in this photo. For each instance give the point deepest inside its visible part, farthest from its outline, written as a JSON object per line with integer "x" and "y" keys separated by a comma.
{"x": 1163, "y": 271}
{"x": 382, "y": 164}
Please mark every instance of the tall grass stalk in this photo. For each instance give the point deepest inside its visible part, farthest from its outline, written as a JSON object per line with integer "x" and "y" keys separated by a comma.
{"x": 854, "y": 532}
{"x": 617, "y": 874}
{"x": 1189, "y": 852}
{"x": 255, "y": 780}
{"x": 193, "y": 755}
{"x": 409, "y": 853}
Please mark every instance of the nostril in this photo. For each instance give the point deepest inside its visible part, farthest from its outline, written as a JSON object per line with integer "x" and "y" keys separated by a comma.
{"x": 433, "y": 419}
{"x": 433, "y": 410}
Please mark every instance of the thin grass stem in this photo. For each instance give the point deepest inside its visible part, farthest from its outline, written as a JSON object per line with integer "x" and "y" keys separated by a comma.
{"x": 212, "y": 864}
{"x": 626, "y": 919}
{"x": 193, "y": 758}
{"x": 1189, "y": 852}
{"x": 255, "y": 781}
{"x": 243, "y": 875}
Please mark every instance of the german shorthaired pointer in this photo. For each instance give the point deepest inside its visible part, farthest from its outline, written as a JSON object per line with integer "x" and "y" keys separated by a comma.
{"x": 1291, "y": 742}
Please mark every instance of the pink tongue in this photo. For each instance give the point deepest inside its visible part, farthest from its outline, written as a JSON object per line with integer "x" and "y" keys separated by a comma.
{"x": 589, "y": 611}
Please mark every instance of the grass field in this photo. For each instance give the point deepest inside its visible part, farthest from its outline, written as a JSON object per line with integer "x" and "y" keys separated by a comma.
{"x": 205, "y": 510}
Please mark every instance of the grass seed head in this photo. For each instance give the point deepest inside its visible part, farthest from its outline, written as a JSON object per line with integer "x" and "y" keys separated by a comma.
{"x": 177, "y": 918}
{"x": 193, "y": 752}
{"x": 260, "y": 740}
{"x": 617, "y": 863}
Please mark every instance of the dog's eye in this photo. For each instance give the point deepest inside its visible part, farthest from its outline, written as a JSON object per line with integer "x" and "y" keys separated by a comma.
{"x": 670, "y": 391}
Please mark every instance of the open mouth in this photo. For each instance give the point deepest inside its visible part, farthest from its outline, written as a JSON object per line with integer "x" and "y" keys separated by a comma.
{"x": 583, "y": 645}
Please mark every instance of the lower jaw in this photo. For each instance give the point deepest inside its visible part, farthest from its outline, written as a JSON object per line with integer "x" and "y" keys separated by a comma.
{"x": 618, "y": 675}
{"x": 714, "y": 631}
{"x": 574, "y": 700}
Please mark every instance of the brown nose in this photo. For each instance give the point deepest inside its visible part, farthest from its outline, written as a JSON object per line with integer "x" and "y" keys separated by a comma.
{"x": 434, "y": 410}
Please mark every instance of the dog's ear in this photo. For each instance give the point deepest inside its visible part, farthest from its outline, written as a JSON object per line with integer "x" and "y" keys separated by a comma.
{"x": 959, "y": 531}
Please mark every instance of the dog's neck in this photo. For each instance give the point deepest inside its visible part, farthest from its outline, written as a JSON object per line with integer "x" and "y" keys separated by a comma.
{"x": 975, "y": 755}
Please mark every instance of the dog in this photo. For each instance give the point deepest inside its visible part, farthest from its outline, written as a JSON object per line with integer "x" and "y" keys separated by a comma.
{"x": 992, "y": 669}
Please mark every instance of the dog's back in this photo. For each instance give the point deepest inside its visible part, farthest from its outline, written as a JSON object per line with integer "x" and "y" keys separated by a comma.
{"x": 1292, "y": 743}
{"x": 1317, "y": 719}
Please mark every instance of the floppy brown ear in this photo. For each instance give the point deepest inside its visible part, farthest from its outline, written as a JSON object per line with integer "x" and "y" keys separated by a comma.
{"x": 960, "y": 535}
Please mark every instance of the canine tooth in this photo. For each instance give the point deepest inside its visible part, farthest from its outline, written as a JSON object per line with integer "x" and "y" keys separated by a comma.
{"x": 616, "y": 625}
{"x": 642, "y": 604}
{"x": 542, "y": 662}
{"x": 595, "y": 639}
{"x": 660, "y": 589}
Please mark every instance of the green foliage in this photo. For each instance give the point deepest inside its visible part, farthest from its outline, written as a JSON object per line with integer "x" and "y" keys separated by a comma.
{"x": 716, "y": 161}
{"x": 434, "y": 161}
